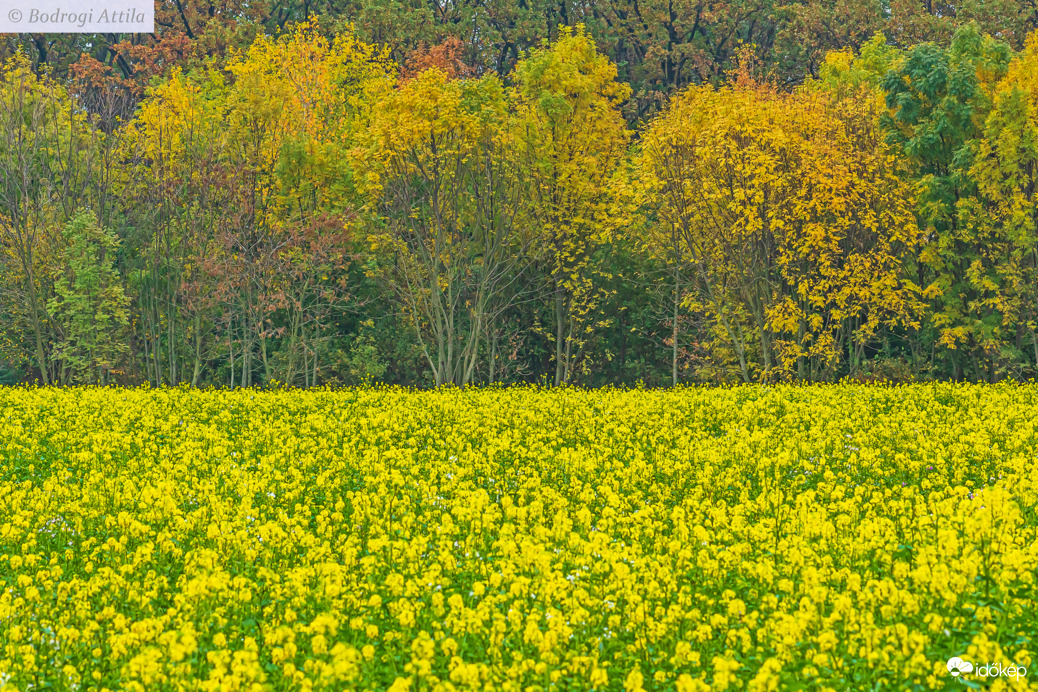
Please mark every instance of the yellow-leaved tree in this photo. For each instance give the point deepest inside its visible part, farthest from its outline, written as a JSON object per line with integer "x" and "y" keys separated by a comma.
{"x": 845, "y": 237}
{"x": 1006, "y": 170}
{"x": 715, "y": 169}
{"x": 245, "y": 193}
{"x": 444, "y": 185}
{"x": 786, "y": 213}
{"x": 572, "y": 138}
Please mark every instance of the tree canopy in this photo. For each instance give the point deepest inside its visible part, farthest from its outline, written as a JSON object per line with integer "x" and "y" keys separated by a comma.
{"x": 605, "y": 193}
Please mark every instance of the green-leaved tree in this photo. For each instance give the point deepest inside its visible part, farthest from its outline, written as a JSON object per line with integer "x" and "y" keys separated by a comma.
{"x": 90, "y": 306}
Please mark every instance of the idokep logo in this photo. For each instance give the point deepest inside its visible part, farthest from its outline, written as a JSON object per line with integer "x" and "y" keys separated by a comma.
{"x": 958, "y": 668}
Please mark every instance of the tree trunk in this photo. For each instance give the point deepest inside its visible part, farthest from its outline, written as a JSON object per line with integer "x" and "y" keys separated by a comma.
{"x": 976, "y": 367}
{"x": 293, "y": 346}
{"x": 314, "y": 378}
{"x": 171, "y": 334}
{"x": 230, "y": 347}
{"x": 156, "y": 336}
{"x": 246, "y": 364}
{"x": 740, "y": 347}
{"x": 263, "y": 352}
{"x": 566, "y": 372}
{"x": 493, "y": 357}
{"x": 560, "y": 335}
{"x": 37, "y": 328}
{"x": 801, "y": 362}
{"x": 674, "y": 331}
{"x": 198, "y": 350}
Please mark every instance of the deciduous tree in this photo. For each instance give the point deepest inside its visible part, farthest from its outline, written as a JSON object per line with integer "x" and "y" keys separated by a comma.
{"x": 442, "y": 170}
{"x": 939, "y": 99}
{"x": 89, "y": 307}
{"x": 572, "y": 137}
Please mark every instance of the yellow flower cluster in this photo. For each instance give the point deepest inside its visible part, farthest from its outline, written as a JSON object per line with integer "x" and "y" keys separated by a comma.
{"x": 755, "y": 538}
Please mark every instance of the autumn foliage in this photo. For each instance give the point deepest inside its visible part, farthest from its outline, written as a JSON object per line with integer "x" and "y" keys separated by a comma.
{"x": 264, "y": 201}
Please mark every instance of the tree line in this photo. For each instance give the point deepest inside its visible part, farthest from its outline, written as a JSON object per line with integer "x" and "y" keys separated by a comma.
{"x": 308, "y": 203}
{"x": 659, "y": 46}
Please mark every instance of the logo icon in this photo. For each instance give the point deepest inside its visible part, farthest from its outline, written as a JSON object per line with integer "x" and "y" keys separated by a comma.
{"x": 956, "y": 666}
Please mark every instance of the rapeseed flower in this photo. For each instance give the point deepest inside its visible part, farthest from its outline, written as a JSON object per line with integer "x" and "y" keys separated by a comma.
{"x": 837, "y": 537}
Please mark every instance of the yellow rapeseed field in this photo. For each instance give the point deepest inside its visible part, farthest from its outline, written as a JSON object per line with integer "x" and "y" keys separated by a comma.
{"x": 759, "y": 538}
